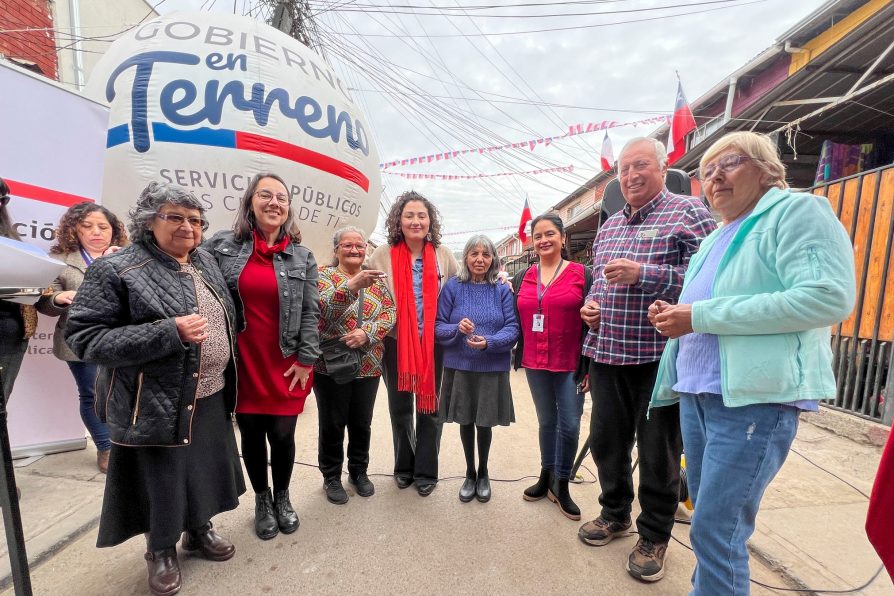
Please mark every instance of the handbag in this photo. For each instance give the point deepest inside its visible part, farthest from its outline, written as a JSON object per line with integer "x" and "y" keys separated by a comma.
{"x": 343, "y": 363}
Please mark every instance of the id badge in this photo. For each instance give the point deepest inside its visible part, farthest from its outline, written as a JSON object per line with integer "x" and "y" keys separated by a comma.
{"x": 538, "y": 323}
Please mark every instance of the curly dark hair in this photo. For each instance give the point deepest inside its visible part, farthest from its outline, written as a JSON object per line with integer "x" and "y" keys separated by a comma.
{"x": 67, "y": 232}
{"x": 392, "y": 224}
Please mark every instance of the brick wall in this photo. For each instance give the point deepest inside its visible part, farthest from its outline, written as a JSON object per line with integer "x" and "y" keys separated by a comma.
{"x": 37, "y": 46}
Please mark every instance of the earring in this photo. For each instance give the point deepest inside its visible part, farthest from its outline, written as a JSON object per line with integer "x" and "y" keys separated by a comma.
{"x": 428, "y": 236}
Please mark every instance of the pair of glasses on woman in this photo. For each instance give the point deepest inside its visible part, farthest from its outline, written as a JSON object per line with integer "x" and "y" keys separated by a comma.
{"x": 267, "y": 196}
{"x": 724, "y": 164}
{"x": 177, "y": 219}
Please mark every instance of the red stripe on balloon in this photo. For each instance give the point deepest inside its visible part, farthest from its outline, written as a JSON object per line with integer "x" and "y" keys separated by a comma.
{"x": 44, "y": 195}
{"x": 253, "y": 142}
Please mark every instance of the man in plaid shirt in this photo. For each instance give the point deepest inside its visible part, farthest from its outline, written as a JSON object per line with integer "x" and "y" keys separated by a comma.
{"x": 640, "y": 255}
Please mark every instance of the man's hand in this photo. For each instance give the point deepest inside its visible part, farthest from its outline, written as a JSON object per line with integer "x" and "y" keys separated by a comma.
{"x": 590, "y": 314}
{"x": 622, "y": 271}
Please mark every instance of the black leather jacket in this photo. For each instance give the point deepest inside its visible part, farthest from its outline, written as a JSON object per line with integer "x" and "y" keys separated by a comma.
{"x": 123, "y": 320}
{"x": 299, "y": 297}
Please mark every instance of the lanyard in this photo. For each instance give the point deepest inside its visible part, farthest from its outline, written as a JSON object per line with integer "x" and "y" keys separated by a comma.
{"x": 541, "y": 289}
{"x": 86, "y": 256}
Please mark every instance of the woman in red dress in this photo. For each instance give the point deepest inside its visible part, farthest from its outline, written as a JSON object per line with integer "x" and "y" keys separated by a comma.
{"x": 273, "y": 280}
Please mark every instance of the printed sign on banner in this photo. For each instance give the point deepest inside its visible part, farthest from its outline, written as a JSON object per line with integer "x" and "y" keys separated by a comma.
{"x": 208, "y": 100}
{"x": 52, "y": 158}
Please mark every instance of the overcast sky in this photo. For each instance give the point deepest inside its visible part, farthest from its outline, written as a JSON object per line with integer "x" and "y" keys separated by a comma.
{"x": 468, "y": 90}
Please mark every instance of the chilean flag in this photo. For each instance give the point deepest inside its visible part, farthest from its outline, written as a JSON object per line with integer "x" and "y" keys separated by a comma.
{"x": 880, "y": 517}
{"x": 608, "y": 155}
{"x": 523, "y": 222}
{"x": 682, "y": 124}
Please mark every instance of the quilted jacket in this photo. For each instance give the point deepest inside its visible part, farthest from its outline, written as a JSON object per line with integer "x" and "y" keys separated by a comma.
{"x": 122, "y": 319}
{"x": 296, "y": 280}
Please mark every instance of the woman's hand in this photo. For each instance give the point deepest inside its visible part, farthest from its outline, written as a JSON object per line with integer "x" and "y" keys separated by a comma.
{"x": 299, "y": 373}
{"x": 111, "y": 250}
{"x": 355, "y": 338}
{"x": 64, "y": 298}
{"x": 192, "y": 328}
{"x": 364, "y": 278}
{"x": 476, "y": 342}
{"x": 466, "y": 327}
{"x": 655, "y": 308}
{"x": 674, "y": 320}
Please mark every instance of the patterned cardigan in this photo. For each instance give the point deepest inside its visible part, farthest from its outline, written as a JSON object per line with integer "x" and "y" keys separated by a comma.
{"x": 338, "y": 316}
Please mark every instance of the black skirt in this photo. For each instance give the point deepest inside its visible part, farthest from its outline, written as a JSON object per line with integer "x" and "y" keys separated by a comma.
{"x": 166, "y": 490}
{"x": 479, "y": 398}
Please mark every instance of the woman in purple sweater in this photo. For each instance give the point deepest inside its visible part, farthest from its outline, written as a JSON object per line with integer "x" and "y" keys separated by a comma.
{"x": 476, "y": 324}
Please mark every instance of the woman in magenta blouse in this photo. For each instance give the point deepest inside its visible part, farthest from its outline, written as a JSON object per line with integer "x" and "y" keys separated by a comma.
{"x": 549, "y": 296}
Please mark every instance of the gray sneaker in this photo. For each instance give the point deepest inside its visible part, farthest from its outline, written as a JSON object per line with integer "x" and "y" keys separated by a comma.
{"x": 600, "y": 531}
{"x": 646, "y": 562}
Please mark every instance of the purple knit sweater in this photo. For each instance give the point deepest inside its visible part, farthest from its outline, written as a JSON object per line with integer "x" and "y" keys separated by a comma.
{"x": 491, "y": 308}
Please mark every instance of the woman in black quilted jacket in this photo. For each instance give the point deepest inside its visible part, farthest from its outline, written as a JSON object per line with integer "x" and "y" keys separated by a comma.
{"x": 158, "y": 320}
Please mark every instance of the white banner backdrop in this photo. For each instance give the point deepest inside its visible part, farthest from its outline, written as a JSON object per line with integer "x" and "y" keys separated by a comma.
{"x": 52, "y": 157}
{"x": 207, "y": 100}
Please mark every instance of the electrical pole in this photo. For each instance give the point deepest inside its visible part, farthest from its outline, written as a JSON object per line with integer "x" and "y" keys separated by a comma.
{"x": 294, "y": 18}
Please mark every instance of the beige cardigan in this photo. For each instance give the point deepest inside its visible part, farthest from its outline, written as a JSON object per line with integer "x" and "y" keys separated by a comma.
{"x": 381, "y": 260}
{"x": 71, "y": 278}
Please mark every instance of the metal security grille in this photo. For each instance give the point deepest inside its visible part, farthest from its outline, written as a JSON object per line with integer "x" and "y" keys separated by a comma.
{"x": 862, "y": 344}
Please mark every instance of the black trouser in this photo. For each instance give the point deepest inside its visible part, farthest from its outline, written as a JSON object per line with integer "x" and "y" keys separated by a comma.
{"x": 256, "y": 431}
{"x": 620, "y": 401}
{"x": 415, "y": 450}
{"x": 339, "y": 406}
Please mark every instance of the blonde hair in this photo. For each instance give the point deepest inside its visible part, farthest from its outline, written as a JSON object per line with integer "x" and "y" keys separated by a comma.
{"x": 760, "y": 148}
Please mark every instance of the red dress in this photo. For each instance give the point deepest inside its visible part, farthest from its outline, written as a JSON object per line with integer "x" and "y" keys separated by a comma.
{"x": 262, "y": 387}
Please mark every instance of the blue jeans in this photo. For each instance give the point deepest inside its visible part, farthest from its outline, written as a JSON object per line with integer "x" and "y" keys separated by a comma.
{"x": 732, "y": 455}
{"x": 559, "y": 408}
{"x": 85, "y": 376}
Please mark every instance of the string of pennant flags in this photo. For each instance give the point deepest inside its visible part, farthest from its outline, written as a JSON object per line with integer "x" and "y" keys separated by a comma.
{"x": 530, "y": 144}
{"x": 415, "y": 176}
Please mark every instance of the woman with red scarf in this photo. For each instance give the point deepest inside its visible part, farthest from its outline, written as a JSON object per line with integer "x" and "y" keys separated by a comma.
{"x": 273, "y": 280}
{"x": 416, "y": 267}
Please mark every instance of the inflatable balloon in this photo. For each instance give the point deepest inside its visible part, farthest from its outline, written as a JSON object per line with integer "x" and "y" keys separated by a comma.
{"x": 208, "y": 100}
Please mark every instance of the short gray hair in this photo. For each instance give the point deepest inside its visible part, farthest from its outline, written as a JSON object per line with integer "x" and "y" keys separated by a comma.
{"x": 487, "y": 244}
{"x": 660, "y": 149}
{"x": 151, "y": 200}
{"x": 336, "y": 239}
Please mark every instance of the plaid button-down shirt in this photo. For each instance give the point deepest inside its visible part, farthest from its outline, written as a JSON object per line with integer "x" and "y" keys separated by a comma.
{"x": 661, "y": 236}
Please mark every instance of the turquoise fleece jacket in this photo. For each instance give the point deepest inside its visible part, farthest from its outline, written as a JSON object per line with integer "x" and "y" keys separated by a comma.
{"x": 787, "y": 276}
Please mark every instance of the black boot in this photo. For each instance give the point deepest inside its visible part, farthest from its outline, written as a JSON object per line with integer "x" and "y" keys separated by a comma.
{"x": 265, "y": 522}
{"x": 559, "y": 494}
{"x": 286, "y": 518}
{"x": 537, "y": 491}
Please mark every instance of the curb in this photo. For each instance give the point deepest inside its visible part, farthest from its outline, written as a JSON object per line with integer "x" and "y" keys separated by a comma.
{"x": 848, "y": 425}
{"x": 775, "y": 565}
{"x": 47, "y": 552}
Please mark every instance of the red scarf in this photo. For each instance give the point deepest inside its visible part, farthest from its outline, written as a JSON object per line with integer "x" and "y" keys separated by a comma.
{"x": 415, "y": 359}
{"x": 264, "y": 252}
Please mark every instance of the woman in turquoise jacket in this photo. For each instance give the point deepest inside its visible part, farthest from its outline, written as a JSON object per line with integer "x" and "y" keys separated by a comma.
{"x": 750, "y": 345}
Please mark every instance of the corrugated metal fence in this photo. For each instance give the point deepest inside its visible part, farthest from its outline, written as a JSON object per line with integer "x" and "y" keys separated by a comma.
{"x": 863, "y": 343}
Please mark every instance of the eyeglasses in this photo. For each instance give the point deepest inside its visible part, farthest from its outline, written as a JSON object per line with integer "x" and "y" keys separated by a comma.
{"x": 724, "y": 164}
{"x": 637, "y": 166}
{"x": 267, "y": 196}
{"x": 177, "y": 220}
{"x": 359, "y": 246}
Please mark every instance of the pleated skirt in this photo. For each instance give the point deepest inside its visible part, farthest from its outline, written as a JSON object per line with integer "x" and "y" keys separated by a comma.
{"x": 479, "y": 398}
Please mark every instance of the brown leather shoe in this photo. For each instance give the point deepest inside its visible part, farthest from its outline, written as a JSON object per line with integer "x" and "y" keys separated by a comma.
{"x": 102, "y": 460}
{"x": 164, "y": 572}
{"x": 209, "y": 543}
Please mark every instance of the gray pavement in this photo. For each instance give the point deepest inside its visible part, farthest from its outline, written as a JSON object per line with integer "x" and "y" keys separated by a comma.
{"x": 810, "y": 528}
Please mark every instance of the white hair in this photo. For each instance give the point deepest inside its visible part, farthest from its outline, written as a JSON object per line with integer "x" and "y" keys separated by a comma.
{"x": 658, "y": 146}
